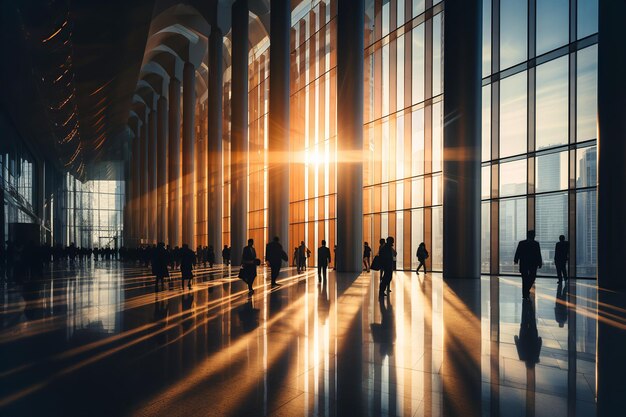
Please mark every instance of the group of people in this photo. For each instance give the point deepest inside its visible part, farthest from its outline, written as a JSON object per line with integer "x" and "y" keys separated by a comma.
{"x": 422, "y": 255}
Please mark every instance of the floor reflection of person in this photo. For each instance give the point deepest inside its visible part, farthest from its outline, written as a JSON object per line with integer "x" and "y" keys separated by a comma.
{"x": 560, "y": 305}
{"x": 248, "y": 316}
{"x": 384, "y": 332}
{"x": 323, "y": 303}
{"x": 528, "y": 342}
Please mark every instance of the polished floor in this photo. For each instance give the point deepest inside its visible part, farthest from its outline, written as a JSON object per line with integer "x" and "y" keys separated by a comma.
{"x": 98, "y": 340}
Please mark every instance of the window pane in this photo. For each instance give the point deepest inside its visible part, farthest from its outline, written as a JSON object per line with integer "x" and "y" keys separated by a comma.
{"x": 587, "y": 17}
{"x": 512, "y": 230}
{"x": 417, "y": 65}
{"x": 485, "y": 237}
{"x": 513, "y": 110}
{"x": 417, "y": 233}
{"x": 513, "y": 178}
{"x": 417, "y": 157}
{"x": 513, "y": 32}
{"x": 586, "y": 167}
{"x": 552, "y": 103}
{"x": 586, "y": 229}
{"x": 551, "y": 172}
{"x": 486, "y": 123}
{"x": 436, "y": 252}
{"x": 486, "y": 37}
{"x": 418, "y": 7}
{"x": 550, "y": 223}
{"x": 552, "y": 24}
{"x": 437, "y": 55}
{"x": 437, "y": 148}
{"x": 486, "y": 181}
{"x": 586, "y": 93}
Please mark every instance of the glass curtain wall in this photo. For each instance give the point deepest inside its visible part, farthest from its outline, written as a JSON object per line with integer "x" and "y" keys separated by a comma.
{"x": 539, "y": 130}
{"x": 92, "y": 213}
{"x": 313, "y": 137}
{"x": 403, "y": 132}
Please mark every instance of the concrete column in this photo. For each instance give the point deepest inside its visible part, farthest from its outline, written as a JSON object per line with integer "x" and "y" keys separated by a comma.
{"x": 173, "y": 161}
{"x": 136, "y": 186}
{"x": 189, "y": 109}
{"x": 610, "y": 366}
{"x": 611, "y": 145}
{"x": 462, "y": 140}
{"x": 239, "y": 132}
{"x": 214, "y": 142}
{"x": 152, "y": 176}
{"x": 143, "y": 235}
{"x": 161, "y": 168}
{"x": 278, "y": 172}
{"x": 350, "y": 27}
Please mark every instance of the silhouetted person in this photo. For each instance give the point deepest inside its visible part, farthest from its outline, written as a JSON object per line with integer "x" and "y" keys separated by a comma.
{"x": 367, "y": 254}
{"x": 528, "y": 342}
{"x": 274, "y": 255}
{"x": 381, "y": 245}
{"x": 295, "y": 257}
{"x": 187, "y": 260}
{"x": 210, "y": 256}
{"x": 249, "y": 264}
{"x": 528, "y": 254}
{"x": 303, "y": 254}
{"x": 226, "y": 255}
{"x": 159, "y": 265}
{"x": 561, "y": 255}
{"x": 560, "y": 305}
{"x": 335, "y": 257}
{"x": 323, "y": 259}
{"x": 386, "y": 260}
{"x": 422, "y": 255}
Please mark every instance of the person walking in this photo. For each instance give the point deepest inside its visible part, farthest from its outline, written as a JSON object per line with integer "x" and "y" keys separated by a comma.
{"x": 187, "y": 261}
{"x": 303, "y": 253}
{"x": 323, "y": 259}
{"x": 386, "y": 257}
{"x": 249, "y": 264}
{"x": 226, "y": 255}
{"x": 422, "y": 255}
{"x": 528, "y": 255}
{"x": 210, "y": 256}
{"x": 367, "y": 254}
{"x": 561, "y": 256}
{"x": 159, "y": 266}
{"x": 274, "y": 256}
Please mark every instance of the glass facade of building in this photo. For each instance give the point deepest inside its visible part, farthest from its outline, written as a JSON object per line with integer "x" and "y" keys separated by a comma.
{"x": 539, "y": 130}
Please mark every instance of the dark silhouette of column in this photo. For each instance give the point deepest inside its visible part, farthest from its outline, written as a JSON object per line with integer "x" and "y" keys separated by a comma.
{"x": 214, "y": 142}
{"x": 173, "y": 161}
{"x": 612, "y": 147}
{"x": 144, "y": 179}
{"x": 152, "y": 175}
{"x": 462, "y": 139}
{"x": 136, "y": 185}
{"x": 611, "y": 367}
{"x": 189, "y": 113}
{"x": 161, "y": 168}
{"x": 278, "y": 170}
{"x": 350, "y": 27}
{"x": 239, "y": 132}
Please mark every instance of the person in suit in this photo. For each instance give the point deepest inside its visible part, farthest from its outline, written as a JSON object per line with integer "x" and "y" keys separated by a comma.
{"x": 323, "y": 259}
{"x": 160, "y": 260}
{"x": 187, "y": 261}
{"x": 422, "y": 255}
{"x": 528, "y": 255}
{"x": 249, "y": 264}
{"x": 226, "y": 255}
{"x": 561, "y": 255}
{"x": 274, "y": 255}
{"x": 303, "y": 252}
{"x": 367, "y": 254}
{"x": 386, "y": 257}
